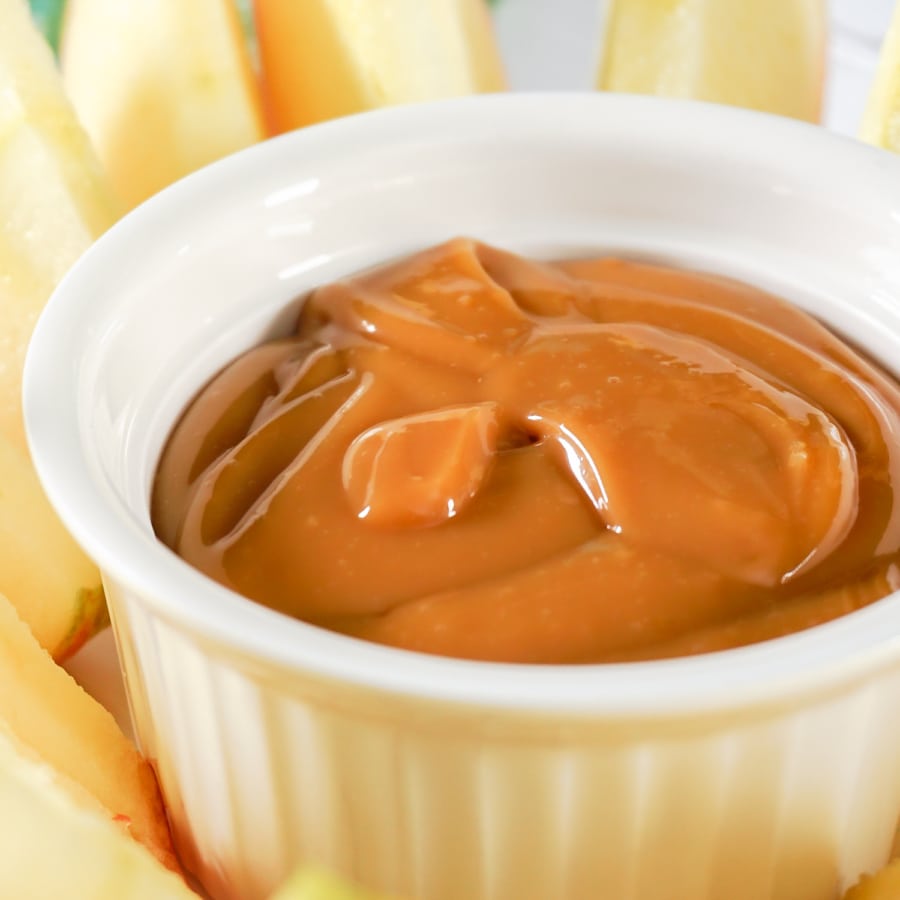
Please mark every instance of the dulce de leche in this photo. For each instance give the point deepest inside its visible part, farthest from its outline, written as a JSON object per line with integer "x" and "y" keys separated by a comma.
{"x": 473, "y": 454}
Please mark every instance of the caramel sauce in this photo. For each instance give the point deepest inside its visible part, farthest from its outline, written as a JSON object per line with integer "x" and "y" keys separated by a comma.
{"x": 473, "y": 454}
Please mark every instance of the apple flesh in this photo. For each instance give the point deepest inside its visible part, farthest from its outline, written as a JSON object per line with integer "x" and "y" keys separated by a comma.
{"x": 163, "y": 87}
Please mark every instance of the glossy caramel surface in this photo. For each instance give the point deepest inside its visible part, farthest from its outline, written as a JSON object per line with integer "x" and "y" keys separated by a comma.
{"x": 474, "y": 454}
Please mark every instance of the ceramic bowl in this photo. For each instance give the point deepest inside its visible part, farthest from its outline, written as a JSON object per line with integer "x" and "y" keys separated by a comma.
{"x": 771, "y": 771}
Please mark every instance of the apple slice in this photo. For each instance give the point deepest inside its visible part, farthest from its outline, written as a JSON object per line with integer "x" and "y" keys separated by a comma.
{"x": 881, "y": 119}
{"x": 43, "y": 572}
{"x": 327, "y": 58}
{"x": 163, "y": 87}
{"x": 49, "y": 713}
{"x": 54, "y": 201}
{"x": 60, "y": 842}
{"x": 313, "y": 883}
{"x": 764, "y": 54}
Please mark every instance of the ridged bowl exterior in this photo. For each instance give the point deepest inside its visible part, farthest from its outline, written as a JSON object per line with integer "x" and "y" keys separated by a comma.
{"x": 767, "y": 773}
{"x": 441, "y": 802}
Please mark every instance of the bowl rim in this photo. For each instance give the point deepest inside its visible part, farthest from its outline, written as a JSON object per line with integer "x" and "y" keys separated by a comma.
{"x": 823, "y": 658}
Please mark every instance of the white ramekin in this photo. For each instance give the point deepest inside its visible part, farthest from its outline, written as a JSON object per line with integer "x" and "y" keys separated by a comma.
{"x": 770, "y": 772}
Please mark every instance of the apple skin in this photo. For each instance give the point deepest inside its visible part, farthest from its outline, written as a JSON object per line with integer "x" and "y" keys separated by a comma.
{"x": 321, "y": 59}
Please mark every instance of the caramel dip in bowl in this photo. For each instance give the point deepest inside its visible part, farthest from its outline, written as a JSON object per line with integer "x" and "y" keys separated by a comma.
{"x": 572, "y": 462}
{"x": 417, "y": 722}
